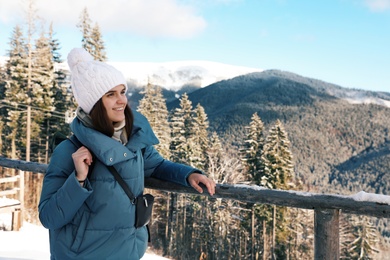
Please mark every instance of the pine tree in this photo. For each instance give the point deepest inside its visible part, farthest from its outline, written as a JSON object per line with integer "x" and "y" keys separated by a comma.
{"x": 153, "y": 107}
{"x": 62, "y": 95}
{"x": 41, "y": 94}
{"x": 217, "y": 223}
{"x": 301, "y": 233}
{"x": 365, "y": 233}
{"x": 214, "y": 159}
{"x": 189, "y": 145}
{"x": 199, "y": 146}
{"x": 98, "y": 48}
{"x": 251, "y": 154}
{"x": 253, "y": 149}
{"x": 43, "y": 74}
{"x": 182, "y": 126}
{"x": 85, "y": 27}
{"x": 277, "y": 159}
{"x": 278, "y": 173}
{"x": 16, "y": 91}
{"x": 3, "y": 111}
{"x": 346, "y": 236}
{"x": 200, "y": 138}
{"x": 182, "y": 151}
{"x": 30, "y": 131}
{"x": 3, "y": 76}
{"x": 92, "y": 40}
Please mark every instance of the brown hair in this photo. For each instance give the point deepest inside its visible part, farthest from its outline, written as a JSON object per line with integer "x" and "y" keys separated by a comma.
{"x": 101, "y": 122}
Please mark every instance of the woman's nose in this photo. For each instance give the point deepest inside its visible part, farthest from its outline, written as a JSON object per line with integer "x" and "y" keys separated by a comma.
{"x": 121, "y": 99}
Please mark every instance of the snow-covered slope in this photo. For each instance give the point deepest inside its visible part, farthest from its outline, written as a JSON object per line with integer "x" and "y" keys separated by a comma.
{"x": 358, "y": 96}
{"x": 174, "y": 75}
{"x": 32, "y": 242}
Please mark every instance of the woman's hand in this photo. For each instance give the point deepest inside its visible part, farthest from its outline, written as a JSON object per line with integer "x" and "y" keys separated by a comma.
{"x": 82, "y": 159}
{"x": 195, "y": 178}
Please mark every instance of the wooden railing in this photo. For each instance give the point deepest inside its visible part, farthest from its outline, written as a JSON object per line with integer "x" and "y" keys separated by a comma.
{"x": 15, "y": 206}
{"x": 327, "y": 207}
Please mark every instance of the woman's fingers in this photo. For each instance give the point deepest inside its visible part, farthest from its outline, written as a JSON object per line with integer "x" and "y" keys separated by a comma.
{"x": 82, "y": 159}
{"x": 196, "y": 178}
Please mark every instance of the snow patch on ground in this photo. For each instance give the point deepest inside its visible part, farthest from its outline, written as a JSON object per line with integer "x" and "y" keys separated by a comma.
{"x": 31, "y": 241}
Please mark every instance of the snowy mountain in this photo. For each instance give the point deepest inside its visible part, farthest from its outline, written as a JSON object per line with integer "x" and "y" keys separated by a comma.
{"x": 177, "y": 74}
{"x": 173, "y": 75}
{"x": 357, "y": 96}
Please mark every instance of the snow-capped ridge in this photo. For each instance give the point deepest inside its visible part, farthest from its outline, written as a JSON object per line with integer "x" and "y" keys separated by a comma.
{"x": 177, "y": 74}
{"x": 357, "y": 96}
{"x": 353, "y": 96}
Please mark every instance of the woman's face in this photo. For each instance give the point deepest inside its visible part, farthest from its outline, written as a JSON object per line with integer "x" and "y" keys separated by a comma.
{"x": 115, "y": 101}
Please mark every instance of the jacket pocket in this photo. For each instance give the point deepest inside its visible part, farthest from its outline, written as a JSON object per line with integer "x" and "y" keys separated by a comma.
{"x": 80, "y": 232}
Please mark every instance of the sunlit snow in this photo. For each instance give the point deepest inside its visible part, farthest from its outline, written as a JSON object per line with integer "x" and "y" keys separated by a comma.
{"x": 31, "y": 241}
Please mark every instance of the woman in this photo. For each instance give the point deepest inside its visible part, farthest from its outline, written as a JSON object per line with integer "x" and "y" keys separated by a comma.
{"x": 87, "y": 213}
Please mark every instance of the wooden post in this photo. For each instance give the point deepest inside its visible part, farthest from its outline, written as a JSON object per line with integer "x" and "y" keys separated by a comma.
{"x": 16, "y": 220}
{"x": 21, "y": 197}
{"x": 273, "y": 257}
{"x": 253, "y": 232}
{"x": 326, "y": 230}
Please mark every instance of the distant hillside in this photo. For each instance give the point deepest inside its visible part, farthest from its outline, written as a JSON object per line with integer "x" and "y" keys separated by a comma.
{"x": 370, "y": 169}
{"x": 325, "y": 129}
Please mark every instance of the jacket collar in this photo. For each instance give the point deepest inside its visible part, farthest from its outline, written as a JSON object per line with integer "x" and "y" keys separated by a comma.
{"x": 110, "y": 151}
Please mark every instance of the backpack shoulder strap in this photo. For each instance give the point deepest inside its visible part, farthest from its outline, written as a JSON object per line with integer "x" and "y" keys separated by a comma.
{"x": 75, "y": 141}
{"x": 78, "y": 144}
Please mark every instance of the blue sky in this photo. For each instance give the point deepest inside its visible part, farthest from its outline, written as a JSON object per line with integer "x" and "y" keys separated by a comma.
{"x": 345, "y": 42}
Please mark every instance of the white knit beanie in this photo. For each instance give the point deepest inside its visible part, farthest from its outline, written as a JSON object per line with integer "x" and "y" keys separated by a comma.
{"x": 91, "y": 79}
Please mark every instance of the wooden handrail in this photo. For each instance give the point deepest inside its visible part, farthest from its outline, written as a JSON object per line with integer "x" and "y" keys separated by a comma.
{"x": 295, "y": 199}
{"x": 327, "y": 207}
{"x": 23, "y": 165}
{"x": 256, "y": 194}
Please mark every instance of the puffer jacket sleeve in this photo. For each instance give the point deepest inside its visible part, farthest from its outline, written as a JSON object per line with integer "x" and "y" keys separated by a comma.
{"x": 61, "y": 195}
{"x": 157, "y": 167}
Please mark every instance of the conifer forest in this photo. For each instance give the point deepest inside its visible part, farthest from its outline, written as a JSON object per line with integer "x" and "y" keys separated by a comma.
{"x": 37, "y": 105}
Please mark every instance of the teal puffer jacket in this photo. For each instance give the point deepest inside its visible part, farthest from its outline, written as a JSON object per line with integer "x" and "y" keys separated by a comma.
{"x": 97, "y": 221}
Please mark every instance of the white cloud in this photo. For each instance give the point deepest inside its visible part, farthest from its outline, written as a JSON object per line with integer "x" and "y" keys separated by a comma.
{"x": 378, "y": 5}
{"x": 153, "y": 18}
{"x": 9, "y": 10}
